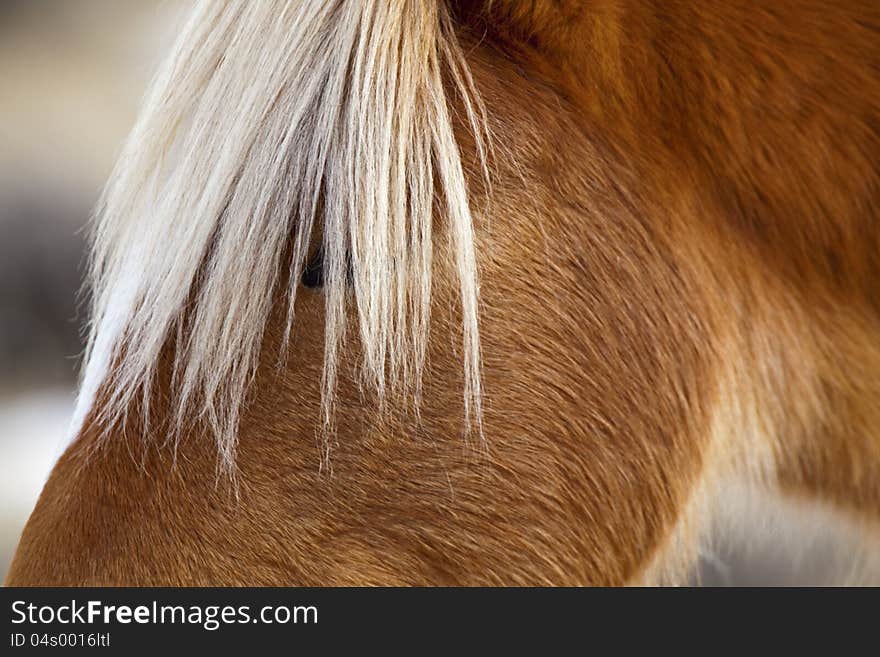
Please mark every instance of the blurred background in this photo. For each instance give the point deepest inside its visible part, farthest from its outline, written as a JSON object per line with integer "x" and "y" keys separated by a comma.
{"x": 71, "y": 76}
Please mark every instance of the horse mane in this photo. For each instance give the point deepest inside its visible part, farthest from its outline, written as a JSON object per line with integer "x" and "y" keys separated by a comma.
{"x": 268, "y": 123}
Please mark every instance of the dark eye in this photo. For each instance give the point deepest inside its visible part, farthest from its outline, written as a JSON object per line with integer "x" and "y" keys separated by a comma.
{"x": 313, "y": 274}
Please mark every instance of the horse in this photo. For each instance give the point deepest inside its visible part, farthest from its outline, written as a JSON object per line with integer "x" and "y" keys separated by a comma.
{"x": 477, "y": 292}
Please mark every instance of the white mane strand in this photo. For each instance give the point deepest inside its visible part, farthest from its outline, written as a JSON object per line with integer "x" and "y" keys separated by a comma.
{"x": 270, "y": 118}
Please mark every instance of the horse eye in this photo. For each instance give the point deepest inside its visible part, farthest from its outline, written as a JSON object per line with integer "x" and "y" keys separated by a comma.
{"x": 313, "y": 274}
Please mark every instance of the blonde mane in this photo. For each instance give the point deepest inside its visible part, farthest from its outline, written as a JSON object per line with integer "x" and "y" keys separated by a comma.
{"x": 268, "y": 120}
